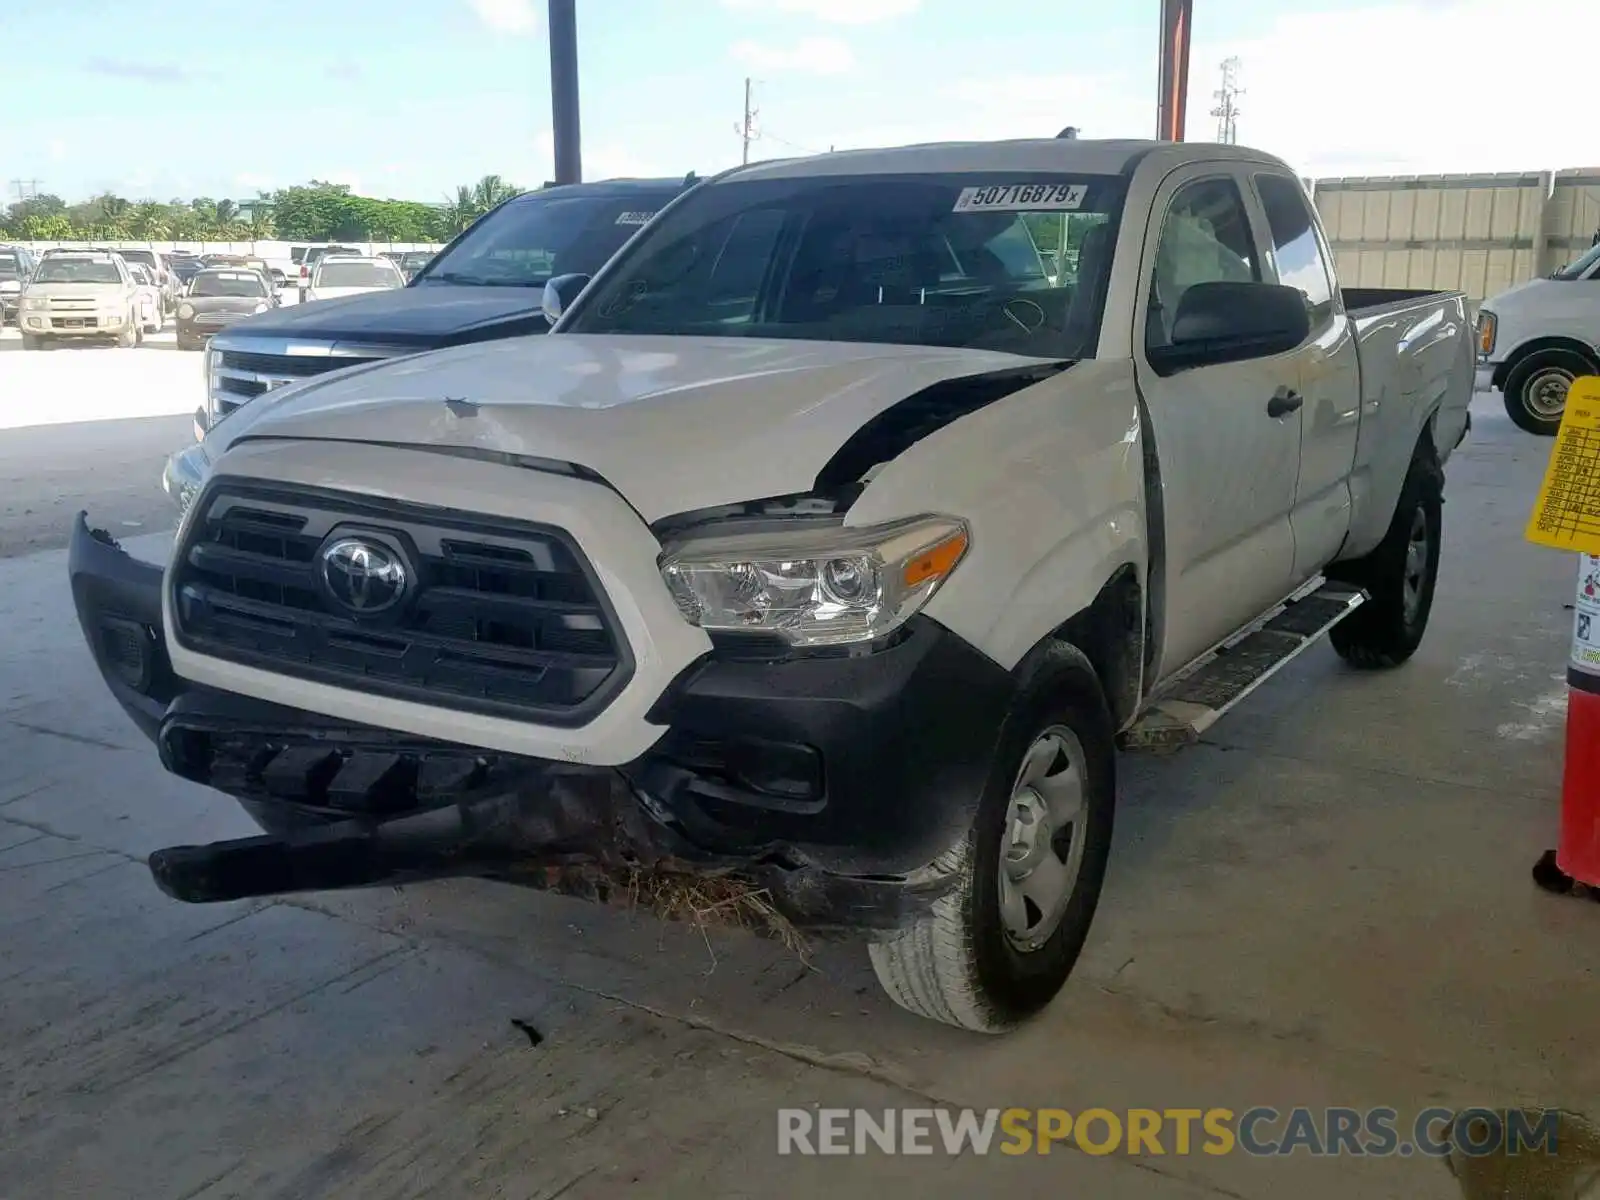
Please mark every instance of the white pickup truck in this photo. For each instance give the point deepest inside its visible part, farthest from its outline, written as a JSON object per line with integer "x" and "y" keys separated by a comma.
{"x": 827, "y": 542}
{"x": 1539, "y": 336}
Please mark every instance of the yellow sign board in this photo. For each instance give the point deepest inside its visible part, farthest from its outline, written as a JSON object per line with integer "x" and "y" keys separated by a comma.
{"x": 1567, "y": 514}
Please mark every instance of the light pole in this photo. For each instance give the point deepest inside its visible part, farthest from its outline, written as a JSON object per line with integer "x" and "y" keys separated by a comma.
{"x": 564, "y": 90}
{"x": 1177, "y": 17}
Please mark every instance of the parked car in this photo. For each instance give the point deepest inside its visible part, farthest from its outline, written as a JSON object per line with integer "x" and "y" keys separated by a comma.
{"x": 157, "y": 264}
{"x": 185, "y": 269}
{"x": 314, "y": 255}
{"x": 337, "y": 276}
{"x": 151, "y": 302}
{"x": 271, "y": 274}
{"x": 485, "y": 284}
{"x": 79, "y": 295}
{"x": 412, "y": 261}
{"x": 16, "y": 262}
{"x": 218, "y": 297}
{"x": 1539, "y": 336}
{"x": 824, "y": 544}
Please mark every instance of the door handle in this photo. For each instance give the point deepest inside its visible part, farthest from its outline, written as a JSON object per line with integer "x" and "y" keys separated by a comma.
{"x": 1284, "y": 401}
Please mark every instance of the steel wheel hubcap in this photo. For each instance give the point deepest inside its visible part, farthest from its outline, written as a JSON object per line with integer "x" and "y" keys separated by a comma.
{"x": 1042, "y": 849}
{"x": 1416, "y": 566}
{"x": 1546, "y": 393}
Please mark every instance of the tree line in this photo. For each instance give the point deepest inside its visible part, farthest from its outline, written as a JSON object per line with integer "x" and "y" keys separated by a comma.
{"x": 314, "y": 212}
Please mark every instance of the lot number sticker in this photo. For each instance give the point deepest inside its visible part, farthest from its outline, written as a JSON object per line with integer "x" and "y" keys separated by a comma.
{"x": 1022, "y": 197}
{"x": 635, "y": 218}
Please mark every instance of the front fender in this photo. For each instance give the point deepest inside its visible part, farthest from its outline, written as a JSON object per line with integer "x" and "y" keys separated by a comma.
{"x": 1050, "y": 480}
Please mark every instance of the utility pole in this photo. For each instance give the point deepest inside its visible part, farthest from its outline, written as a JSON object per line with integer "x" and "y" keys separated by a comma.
{"x": 746, "y": 129}
{"x": 563, "y": 26}
{"x": 1227, "y": 110}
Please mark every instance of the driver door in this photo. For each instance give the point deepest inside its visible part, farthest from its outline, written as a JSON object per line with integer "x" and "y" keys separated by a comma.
{"x": 1228, "y": 469}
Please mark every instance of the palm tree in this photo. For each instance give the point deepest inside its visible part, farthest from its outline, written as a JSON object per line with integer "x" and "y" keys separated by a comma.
{"x": 462, "y": 211}
{"x": 111, "y": 207}
{"x": 227, "y": 212}
{"x": 492, "y": 190}
{"x": 149, "y": 222}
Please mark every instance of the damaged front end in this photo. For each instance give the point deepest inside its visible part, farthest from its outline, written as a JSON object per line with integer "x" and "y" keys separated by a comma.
{"x": 821, "y": 814}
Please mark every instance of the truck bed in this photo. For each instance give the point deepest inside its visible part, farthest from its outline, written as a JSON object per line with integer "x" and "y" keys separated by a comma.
{"x": 1363, "y": 302}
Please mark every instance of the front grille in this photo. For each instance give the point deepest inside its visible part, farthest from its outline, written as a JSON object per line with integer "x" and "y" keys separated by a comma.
{"x": 240, "y": 376}
{"x": 297, "y": 366}
{"x": 502, "y": 617}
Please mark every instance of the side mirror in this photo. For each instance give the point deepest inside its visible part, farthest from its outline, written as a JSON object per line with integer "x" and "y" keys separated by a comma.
{"x": 559, "y": 294}
{"x": 1231, "y": 322}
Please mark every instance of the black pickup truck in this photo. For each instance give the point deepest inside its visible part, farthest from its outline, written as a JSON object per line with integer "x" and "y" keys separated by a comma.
{"x": 486, "y": 284}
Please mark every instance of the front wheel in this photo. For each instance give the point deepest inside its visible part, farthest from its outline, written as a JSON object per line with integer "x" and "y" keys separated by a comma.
{"x": 130, "y": 336}
{"x": 999, "y": 946}
{"x": 1536, "y": 389}
{"x": 32, "y": 341}
{"x": 1399, "y": 575}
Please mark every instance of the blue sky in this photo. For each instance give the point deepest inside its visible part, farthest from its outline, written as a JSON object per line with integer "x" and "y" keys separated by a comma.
{"x": 165, "y": 98}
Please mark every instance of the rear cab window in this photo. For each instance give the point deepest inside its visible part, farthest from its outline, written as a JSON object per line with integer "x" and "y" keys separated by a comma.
{"x": 1296, "y": 249}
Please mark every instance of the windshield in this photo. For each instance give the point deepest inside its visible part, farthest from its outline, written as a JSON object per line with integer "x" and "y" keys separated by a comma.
{"x": 227, "y": 283}
{"x": 357, "y": 275}
{"x": 932, "y": 260}
{"x": 534, "y": 238}
{"x": 88, "y": 269}
{"x": 143, "y": 257}
{"x": 9, "y": 267}
{"x": 414, "y": 262}
{"x": 1581, "y": 267}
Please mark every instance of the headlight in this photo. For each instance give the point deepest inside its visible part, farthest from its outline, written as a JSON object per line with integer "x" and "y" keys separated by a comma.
{"x": 185, "y": 311}
{"x": 262, "y": 307}
{"x": 185, "y": 475}
{"x": 35, "y": 303}
{"x": 1488, "y": 326}
{"x": 818, "y": 586}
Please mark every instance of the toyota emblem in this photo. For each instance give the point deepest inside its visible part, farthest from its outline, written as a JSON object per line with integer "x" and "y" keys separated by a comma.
{"x": 364, "y": 576}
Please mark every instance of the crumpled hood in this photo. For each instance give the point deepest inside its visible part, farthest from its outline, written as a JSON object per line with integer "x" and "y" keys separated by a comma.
{"x": 675, "y": 424}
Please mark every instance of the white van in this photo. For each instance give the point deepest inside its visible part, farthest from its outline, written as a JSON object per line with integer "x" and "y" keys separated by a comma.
{"x": 1535, "y": 339}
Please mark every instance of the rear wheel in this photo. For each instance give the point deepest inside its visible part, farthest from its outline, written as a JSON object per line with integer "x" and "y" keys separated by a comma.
{"x": 1000, "y": 945}
{"x": 1399, "y": 575}
{"x": 1536, "y": 388}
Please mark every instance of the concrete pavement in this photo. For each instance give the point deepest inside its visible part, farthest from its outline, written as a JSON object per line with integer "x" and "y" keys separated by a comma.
{"x": 1326, "y": 903}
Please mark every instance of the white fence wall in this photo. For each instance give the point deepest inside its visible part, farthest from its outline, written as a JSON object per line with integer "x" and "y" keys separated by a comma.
{"x": 269, "y": 250}
{"x": 1479, "y": 234}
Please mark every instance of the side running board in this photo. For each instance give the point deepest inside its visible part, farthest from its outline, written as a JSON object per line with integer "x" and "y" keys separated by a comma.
{"x": 1191, "y": 702}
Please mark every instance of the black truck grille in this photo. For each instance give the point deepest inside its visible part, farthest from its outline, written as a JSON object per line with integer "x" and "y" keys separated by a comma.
{"x": 297, "y": 365}
{"x": 500, "y": 617}
{"x": 241, "y": 376}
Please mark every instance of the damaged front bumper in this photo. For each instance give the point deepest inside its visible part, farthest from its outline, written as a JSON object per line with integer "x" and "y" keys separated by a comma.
{"x": 832, "y": 783}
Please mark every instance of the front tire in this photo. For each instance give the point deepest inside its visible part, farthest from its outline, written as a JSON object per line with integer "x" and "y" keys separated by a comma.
{"x": 32, "y": 341}
{"x": 998, "y": 947}
{"x": 129, "y": 337}
{"x": 1536, "y": 389}
{"x": 1399, "y": 575}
